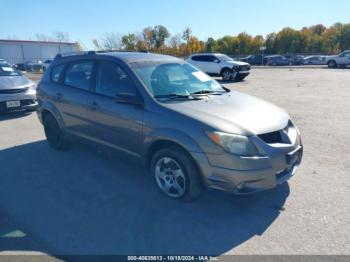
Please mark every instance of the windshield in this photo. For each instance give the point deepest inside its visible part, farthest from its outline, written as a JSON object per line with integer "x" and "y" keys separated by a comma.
{"x": 174, "y": 78}
{"x": 224, "y": 58}
{"x": 7, "y": 70}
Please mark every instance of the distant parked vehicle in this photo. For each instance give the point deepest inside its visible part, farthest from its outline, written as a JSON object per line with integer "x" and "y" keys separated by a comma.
{"x": 295, "y": 59}
{"x": 254, "y": 60}
{"x": 315, "y": 60}
{"x": 277, "y": 60}
{"x": 17, "y": 92}
{"x": 341, "y": 60}
{"x": 20, "y": 66}
{"x": 30, "y": 66}
{"x": 46, "y": 64}
{"x": 220, "y": 65}
{"x": 33, "y": 66}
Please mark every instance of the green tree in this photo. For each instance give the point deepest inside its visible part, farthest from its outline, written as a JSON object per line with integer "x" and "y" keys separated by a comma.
{"x": 160, "y": 34}
{"x": 211, "y": 45}
{"x": 129, "y": 42}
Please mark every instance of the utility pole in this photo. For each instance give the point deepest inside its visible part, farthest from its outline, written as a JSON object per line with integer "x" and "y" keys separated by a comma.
{"x": 262, "y": 49}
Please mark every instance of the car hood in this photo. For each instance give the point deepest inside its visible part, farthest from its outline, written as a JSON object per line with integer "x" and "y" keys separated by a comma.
{"x": 235, "y": 113}
{"x": 13, "y": 82}
{"x": 240, "y": 63}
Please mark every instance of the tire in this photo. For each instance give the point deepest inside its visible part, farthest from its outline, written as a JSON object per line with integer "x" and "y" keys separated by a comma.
{"x": 176, "y": 174}
{"x": 226, "y": 74}
{"x": 240, "y": 78}
{"x": 54, "y": 134}
{"x": 332, "y": 64}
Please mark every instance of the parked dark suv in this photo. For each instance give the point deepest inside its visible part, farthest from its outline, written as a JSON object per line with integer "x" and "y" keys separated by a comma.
{"x": 190, "y": 131}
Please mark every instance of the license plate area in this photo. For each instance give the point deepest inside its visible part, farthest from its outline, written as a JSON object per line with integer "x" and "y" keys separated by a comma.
{"x": 12, "y": 104}
{"x": 294, "y": 156}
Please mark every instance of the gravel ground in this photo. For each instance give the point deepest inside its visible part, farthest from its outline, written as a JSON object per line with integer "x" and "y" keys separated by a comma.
{"x": 89, "y": 201}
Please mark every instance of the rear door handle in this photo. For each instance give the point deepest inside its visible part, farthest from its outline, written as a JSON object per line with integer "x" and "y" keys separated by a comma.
{"x": 94, "y": 106}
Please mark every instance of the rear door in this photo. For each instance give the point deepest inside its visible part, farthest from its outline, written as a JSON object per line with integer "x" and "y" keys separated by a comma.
{"x": 73, "y": 96}
{"x": 207, "y": 63}
{"x": 118, "y": 125}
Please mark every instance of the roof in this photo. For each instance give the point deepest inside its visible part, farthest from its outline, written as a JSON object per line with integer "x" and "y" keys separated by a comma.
{"x": 132, "y": 57}
{"x": 35, "y": 42}
{"x": 206, "y": 54}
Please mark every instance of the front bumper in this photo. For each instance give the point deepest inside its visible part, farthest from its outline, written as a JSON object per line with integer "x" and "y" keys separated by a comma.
{"x": 27, "y": 101}
{"x": 252, "y": 175}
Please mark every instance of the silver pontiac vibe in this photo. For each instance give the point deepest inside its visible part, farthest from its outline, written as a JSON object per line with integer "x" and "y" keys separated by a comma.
{"x": 191, "y": 132}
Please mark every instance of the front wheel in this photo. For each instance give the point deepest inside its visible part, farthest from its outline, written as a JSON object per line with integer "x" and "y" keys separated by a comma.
{"x": 227, "y": 75}
{"x": 176, "y": 174}
{"x": 240, "y": 78}
{"x": 332, "y": 64}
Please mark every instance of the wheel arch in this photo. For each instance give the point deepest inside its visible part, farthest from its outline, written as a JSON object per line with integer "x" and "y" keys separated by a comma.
{"x": 332, "y": 60}
{"x": 49, "y": 108}
{"x": 164, "y": 143}
{"x": 224, "y": 68}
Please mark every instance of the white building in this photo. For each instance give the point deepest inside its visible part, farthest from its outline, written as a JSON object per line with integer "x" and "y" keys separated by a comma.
{"x": 20, "y": 51}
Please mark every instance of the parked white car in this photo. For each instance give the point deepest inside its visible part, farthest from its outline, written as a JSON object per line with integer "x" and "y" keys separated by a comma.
{"x": 220, "y": 65}
{"x": 342, "y": 60}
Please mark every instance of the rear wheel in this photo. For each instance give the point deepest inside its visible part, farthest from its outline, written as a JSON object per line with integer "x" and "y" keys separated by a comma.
{"x": 332, "y": 64}
{"x": 54, "y": 133}
{"x": 176, "y": 174}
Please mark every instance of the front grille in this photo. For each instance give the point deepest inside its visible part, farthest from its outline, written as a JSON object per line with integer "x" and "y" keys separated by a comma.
{"x": 272, "y": 138}
{"x": 13, "y": 91}
{"x": 27, "y": 102}
{"x": 244, "y": 68}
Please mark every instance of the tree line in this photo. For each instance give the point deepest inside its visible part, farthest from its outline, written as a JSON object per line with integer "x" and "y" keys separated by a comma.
{"x": 316, "y": 39}
{"x": 313, "y": 39}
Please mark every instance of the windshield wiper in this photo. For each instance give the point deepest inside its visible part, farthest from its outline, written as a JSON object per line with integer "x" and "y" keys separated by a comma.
{"x": 204, "y": 92}
{"x": 172, "y": 96}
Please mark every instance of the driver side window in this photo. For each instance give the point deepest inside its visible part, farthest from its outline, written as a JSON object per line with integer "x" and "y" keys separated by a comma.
{"x": 111, "y": 80}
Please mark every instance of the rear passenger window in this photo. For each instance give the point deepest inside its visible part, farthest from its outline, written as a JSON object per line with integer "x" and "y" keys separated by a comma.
{"x": 79, "y": 75}
{"x": 111, "y": 80}
{"x": 56, "y": 73}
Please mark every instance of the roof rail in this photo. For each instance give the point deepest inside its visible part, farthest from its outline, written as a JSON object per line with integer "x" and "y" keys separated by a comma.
{"x": 121, "y": 51}
{"x": 68, "y": 54}
{"x": 62, "y": 55}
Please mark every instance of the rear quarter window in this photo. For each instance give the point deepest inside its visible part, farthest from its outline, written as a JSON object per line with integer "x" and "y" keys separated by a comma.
{"x": 56, "y": 73}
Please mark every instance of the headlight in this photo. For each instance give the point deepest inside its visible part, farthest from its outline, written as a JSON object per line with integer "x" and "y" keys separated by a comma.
{"x": 235, "y": 144}
{"x": 32, "y": 87}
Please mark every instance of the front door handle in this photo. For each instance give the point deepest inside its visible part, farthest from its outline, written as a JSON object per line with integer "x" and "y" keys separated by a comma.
{"x": 59, "y": 96}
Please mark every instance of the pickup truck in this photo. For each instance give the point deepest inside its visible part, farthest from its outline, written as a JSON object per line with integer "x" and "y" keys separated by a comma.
{"x": 341, "y": 60}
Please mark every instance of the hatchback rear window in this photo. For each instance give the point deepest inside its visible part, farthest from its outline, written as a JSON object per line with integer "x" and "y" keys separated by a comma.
{"x": 56, "y": 73}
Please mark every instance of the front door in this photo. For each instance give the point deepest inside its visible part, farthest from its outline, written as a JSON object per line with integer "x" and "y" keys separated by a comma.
{"x": 115, "y": 125}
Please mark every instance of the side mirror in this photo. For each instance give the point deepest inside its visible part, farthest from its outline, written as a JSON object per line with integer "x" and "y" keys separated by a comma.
{"x": 129, "y": 99}
{"x": 217, "y": 61}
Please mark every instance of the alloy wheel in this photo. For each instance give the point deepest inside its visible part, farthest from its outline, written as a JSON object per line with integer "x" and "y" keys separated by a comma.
{"x": 170, "y": 177}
